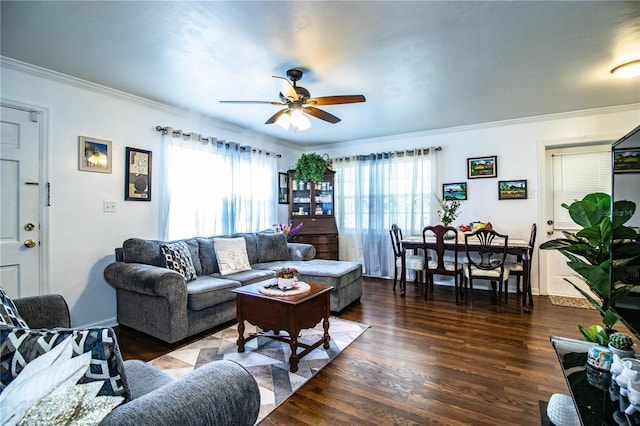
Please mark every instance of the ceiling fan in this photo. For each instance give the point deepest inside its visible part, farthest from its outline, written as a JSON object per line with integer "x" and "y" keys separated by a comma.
{"x": 298, "y": 101}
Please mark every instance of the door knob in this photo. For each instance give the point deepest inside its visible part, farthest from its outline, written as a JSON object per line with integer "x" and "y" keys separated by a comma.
{"x": 30, "y": 243}
{"x": 550, "y": 232}
{"x": 29, "y": 227}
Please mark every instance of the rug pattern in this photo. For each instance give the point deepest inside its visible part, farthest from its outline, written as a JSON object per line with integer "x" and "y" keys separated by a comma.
{"x": 572, "y": 302}
{"x": 265, "y": 358}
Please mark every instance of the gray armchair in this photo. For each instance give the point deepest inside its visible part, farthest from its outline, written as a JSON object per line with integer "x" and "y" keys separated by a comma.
{"x": 218, "y": 393}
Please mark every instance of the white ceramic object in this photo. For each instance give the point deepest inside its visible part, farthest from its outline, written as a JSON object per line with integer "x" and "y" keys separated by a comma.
{"x": 633, "y": 390}
{"x": 285, "y": 282}
{"x": 631, "y": 371}
{"x": 562, "y": 411}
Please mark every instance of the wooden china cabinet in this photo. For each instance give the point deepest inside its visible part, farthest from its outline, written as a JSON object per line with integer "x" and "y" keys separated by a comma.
{"x": 312, "y": 204}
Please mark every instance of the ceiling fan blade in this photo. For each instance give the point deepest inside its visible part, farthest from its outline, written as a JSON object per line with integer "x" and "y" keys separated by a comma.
{"x": 336, "y": 100}
{"x": 287, "y": 89}
{"x": 275, "y": 116}
{"x": 253, "y": 102}
{"x": 322, "y": 115}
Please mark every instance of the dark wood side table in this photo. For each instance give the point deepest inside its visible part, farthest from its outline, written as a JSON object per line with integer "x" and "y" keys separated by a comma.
{"x": 288, "y": 313}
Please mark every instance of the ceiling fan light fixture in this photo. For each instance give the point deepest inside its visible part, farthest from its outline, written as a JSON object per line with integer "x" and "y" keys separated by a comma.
{"x": 284, "y": 121}
{"x": 627, "y": 70}
{"x": 299, "y": 121}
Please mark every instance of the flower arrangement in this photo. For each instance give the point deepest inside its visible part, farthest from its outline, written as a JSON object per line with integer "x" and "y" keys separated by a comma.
{"x": 286, "y": 272}
{"x": 288, "y": 230}
{"x": 448, "y": 211}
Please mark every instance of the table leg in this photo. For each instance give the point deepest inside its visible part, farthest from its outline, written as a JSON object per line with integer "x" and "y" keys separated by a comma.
{"x": 294, "y": 358}
{"x": 325, "y": 326}
{"x": 240, "y": 336}
{"x": 526, "y": 283}
{"x": 403, "y": 275}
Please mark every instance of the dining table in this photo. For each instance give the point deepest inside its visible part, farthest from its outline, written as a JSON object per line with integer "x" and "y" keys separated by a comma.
{"x": 519, "y": 248}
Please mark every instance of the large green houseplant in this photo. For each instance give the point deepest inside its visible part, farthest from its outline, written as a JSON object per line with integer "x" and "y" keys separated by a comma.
{"x": 589, "y": 254}
{"x": 310, "y": 168}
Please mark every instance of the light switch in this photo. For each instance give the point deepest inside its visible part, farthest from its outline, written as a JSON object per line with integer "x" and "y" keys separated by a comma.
{"x": 109, "y": 206}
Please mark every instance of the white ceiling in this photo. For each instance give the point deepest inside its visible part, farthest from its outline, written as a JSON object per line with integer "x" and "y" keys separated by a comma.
{"x": 422, "y": 65}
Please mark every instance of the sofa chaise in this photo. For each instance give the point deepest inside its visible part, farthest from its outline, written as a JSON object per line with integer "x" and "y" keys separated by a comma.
{"x": 160, "y": 296}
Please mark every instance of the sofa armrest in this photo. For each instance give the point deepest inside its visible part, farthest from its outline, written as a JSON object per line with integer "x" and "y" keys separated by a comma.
{"x": 146, "y": 279}
{"x": 219, "y": 393}
{"x": 301, "y": 251}
{"x": 45, "y": 311}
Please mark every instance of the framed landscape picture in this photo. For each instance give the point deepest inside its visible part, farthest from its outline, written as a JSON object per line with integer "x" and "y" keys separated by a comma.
{"x": 626, "y": 160}
{"x": 482, "y": 167}
{"x": 94, "y": 155}
{"x": 137, "y": 175}
{"x": 454, "y": 191}
{"x": 512, "y": 189}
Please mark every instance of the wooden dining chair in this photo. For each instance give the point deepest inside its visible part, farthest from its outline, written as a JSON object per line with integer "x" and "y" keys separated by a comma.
{"x": 488, "y": 262}
{"x": 438, "y": 265}
{"x": 516, "y": 269}
{"x": 413, "y": 262}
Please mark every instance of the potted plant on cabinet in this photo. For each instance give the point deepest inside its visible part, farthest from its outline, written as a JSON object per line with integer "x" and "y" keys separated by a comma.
{"x": 310, "y": 168}
{"x": 621, "y": 344}
{"x": 589, "y": 254}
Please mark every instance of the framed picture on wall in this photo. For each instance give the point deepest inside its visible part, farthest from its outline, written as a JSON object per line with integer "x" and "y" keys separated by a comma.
{"x": 482, "y": 167}
{"x": 512, "y": 189}
{"x": 94, "y": 155}
{"x": 626, "y": 160}
{"x": 454, "y": 191}
{"x": 137, "y": 175}
{"x": 283, "y": 188}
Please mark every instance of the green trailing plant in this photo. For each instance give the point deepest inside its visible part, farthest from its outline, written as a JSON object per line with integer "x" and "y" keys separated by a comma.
{"x": 621, "y": 341}
{"x": 448, "y": 210}
{"x": 589, "y": 254}
{"x": 310, "y": 168}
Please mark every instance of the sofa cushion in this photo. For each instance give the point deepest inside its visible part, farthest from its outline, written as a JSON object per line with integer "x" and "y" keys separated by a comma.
{"x": 337, "y": 273}
{"x": 177, "y": 258}
{"x": 252, "y": 245}
{"x": 231, "y": 254}
{"x": 207, "y": 254}
{"x": 9, "y": 314}
{"x": 208, "y": 291}
{"x": 194, "y": 251}
{"x": 249, "y": 277}
{"x": 137, "y": 250}
{"x": 272, "y": 247}
{"x": 20, "y": 346}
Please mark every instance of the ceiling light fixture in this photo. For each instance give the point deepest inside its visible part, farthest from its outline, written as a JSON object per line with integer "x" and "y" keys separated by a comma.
{"x": 294, "y": 117}
{"x": 627, "y": 70}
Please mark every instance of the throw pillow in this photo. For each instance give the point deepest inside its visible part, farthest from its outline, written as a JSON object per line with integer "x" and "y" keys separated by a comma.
{"x": 232, "y": 255}
{"x": 9, "y": 314}
{"x": 20, "y": 346}
{"x": 178, "y": 258}
{"x": 272, "y": 247}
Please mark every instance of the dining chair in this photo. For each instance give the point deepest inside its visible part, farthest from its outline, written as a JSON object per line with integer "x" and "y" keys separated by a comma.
{"x": 413, "y": 262}
{"x": 438, "y": 265}
{"x": 516, "y": 269}
{"x": 490, "y": 248}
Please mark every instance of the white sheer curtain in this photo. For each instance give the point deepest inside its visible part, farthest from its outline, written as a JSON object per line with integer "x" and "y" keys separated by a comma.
{"x": 215, "y": 187}
{"x": 373, "y": 192}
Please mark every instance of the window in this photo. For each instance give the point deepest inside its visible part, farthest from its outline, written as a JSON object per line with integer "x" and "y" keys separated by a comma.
{"x": 215, "y": 189}
{"x": 576, "y": 173}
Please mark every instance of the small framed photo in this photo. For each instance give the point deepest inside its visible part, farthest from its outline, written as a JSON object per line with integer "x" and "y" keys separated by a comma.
{"x": 94, "y": 155}
{"x": 283, "y": 188}
{"x": 512, "y": 189}
{"x": 454, "y": 191}
{"x": 626, "y": 160}
{"x": 137, "y": 177}
{"x": 482, "y": 167}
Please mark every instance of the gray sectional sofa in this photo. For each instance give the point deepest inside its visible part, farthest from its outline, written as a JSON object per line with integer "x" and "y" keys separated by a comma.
{"x": 162, "y": 303}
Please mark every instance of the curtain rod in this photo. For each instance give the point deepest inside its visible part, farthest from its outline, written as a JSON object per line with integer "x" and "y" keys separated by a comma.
{"x": 388, "y": 153}
{"x": 198, "y": 137}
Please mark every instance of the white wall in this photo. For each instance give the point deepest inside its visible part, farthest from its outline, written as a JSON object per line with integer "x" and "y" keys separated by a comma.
{"x": 82, "y": 237}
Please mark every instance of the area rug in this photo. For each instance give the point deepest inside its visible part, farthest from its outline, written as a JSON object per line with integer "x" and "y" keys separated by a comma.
{"x": 573, "y": 302}
{"x": 266, "y": 359}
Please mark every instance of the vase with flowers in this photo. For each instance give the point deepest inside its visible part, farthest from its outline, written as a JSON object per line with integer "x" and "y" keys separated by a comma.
{"x": 448, "y": 211}
{"x": 286, "y": 277}
{"x": 287, "y": 229}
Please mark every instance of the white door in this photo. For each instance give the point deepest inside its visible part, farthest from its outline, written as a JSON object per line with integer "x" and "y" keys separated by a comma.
{"x": 579, "y": 170}
{"x": 20, "y": 249}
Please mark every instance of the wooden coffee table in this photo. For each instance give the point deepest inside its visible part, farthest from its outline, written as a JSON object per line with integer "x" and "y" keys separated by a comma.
{"x": 288, "y": 313}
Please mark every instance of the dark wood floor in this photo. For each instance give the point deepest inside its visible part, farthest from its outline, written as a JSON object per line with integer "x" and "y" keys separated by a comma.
{"x": 428, "y": 362}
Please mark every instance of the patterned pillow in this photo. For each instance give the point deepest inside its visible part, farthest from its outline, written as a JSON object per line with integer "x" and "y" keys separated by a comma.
{"x": 9, "y": 314}
{"x": 177, "y": 258}
{"x": 20, "y": 346}
{"x": 232, "y": 255}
